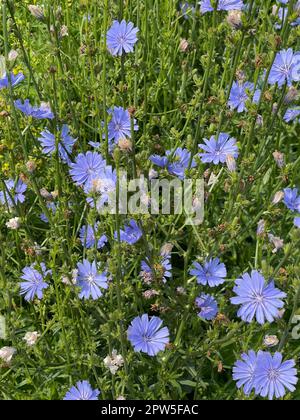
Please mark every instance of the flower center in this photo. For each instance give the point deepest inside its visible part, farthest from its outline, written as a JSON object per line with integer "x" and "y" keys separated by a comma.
{"x": 90, "y": 278}
{"x": 259, "y": 298}
{"x": 273, "y": 374}
{"x": 122, "y": 40}
{"x": 146, "y": 338}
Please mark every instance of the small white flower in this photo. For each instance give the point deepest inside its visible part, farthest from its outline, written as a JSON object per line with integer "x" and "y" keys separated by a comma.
{"x": 31, "y": 338}
{"x": 7, "y": 353}
{"x": 14, "y": 223}
{"x": 113, "y": 362}
{"x": 121, "y": 398}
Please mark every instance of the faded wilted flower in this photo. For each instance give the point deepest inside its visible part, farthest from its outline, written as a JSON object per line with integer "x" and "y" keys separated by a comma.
{"x": 125, "y": 145}
{"x": 180, "y": 290}
{"x": 166, "y": 249}
{"x": 31, "y": 338}
{"x": 279, "y": 158}
{"x": 276, "y": 241}
{"x": 6, "y": 354}
{"x": 261, "y": 226}
{"x": 36, "y": 11}
{"x": 148, "y": 294}
{"x": 184, "y": 45}
{"x": 234, "y": 18}
{"x": 231, "y": 163}
{"x": 64, "y": 31}
{"x": 271, "y": 341}
{"x": 13, "y": 55}
{"x": 278, "y": 197}
{"x": 14, "y": 223}
{"x": 31, "y": 166}
{"x": 113, "y": 362}
{"x": 292, "y": 95}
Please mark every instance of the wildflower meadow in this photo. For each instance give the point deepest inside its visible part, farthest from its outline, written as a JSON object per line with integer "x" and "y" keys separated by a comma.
{"x": 149, "y": 200}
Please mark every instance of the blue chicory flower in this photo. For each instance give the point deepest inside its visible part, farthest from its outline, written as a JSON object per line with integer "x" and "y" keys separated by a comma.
{"x": 86, "y": 167}
{"x": 121, "y": 37}
{"x": 40, "y": 113}
{"x": 208, "y": 307}
{"x": 13, "y": 193}
{"x": 292, "y": 199}
{"x": 239, "y": 95}
{"x": 90, "y": 280}
{"x": 131, "y": 234}
{"x": 88, "y": 237}
{"x": 212, "y": 272}
{"x": 267, "y": 375}
{"x": 82, "y": 391}
{"x": 286, "y": 68}
{"x": 65, "y": 144}
{"x": 15, "y": 79}
{"x": 34, "y": 283}
{"x": 176, "y": 162}
{"x": 147, "y": 336}
{"x": 257, "y": 299}
{"x": 217, "y": 151}
{"x": 206, "y": 6}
